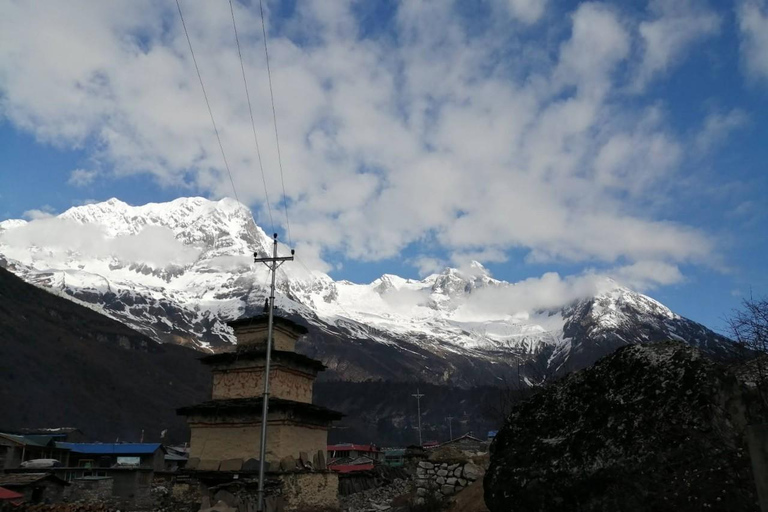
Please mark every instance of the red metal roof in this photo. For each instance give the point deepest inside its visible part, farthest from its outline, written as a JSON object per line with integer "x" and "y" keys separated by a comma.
{"x": 350, "y": 468}
{"x": 355, "y": 447}
{"x": 7, "y": 494}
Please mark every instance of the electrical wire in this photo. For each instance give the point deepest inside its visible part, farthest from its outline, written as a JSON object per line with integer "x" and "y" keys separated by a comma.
{"x": 274, "y": 119}
{"x": 250, "y": 110}
{"x": 208, "y": 104}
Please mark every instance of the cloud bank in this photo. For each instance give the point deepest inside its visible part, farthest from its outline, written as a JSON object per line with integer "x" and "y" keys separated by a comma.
{"x": 59, "y": 239}
{"x": 473, "y": 135}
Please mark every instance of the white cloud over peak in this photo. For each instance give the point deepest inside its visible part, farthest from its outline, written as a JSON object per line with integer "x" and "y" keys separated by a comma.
{"x": 60, "y": 239}
{"x": 439, "y": 134}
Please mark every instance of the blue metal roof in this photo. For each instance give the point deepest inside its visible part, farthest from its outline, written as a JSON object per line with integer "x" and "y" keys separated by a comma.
{"x": 111, "y": 448}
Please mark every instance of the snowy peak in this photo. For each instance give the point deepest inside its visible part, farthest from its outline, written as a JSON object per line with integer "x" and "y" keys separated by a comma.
{"x": 178, "y": 270}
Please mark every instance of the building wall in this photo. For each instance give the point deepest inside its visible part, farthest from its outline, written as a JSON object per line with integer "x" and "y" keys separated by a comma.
{"x": 241, "y": 441}
{"x": 257, "y": 335}
{"x": 249, "y": 383}
{"x": 10, "y": 455}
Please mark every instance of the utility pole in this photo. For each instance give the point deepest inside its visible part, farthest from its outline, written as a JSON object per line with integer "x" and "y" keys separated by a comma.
{"x": 418, "y": 397}
{"x": 449, "y": 419}
{"x": 272, "y": 264}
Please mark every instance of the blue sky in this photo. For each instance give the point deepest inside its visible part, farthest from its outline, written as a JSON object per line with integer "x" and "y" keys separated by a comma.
{"x": 584, "y": 138}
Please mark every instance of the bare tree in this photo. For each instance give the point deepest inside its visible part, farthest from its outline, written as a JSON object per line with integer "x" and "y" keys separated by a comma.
{"x": 749, "y": 328}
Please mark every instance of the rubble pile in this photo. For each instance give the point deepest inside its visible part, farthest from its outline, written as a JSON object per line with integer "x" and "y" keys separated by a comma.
{"x": 76, "y": 506}
{"x": 378, "y": 499}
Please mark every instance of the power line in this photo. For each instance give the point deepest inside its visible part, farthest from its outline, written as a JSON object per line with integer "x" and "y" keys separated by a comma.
{"x": 208, "y": 104}
{"x": 250, "y": 110}
{"x": 274, "y": 118}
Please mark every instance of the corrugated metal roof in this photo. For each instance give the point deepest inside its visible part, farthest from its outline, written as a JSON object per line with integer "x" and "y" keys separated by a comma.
{"x": 112, "y": 448}
{"x": 29, "y": 440}
{"x": 7, "y": 494}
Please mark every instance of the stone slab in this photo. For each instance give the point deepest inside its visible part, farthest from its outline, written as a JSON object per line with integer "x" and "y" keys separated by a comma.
{"x": 231, "y": 465}
{"x": 251, "y": 465}
{"x": 208, "y": 465}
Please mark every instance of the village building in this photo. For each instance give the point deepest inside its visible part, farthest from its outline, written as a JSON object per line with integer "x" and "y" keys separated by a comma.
{"x": 351, "y": 450}
{"x": 467, "y": 443}
{"x": 65, "y": 434}
{"x": 16, "y": 449}
{"x": 89, "y": 457}
{"x": 35, "y": 487}
{"x": 225, "y": 432}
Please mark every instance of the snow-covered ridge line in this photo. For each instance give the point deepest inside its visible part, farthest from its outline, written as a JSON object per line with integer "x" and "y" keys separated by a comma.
{"x": 177, "y": 270}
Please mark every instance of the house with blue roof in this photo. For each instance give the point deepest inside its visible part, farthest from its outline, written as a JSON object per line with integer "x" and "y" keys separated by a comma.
{"x": 110, "y": 455}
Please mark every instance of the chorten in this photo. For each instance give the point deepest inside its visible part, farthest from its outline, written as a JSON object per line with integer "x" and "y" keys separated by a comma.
{"x": 227, "y": 428}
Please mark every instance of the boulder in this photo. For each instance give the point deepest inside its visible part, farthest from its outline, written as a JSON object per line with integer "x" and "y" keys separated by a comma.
{"x": 472, "y": 471}
{"x": 650, "y": 427}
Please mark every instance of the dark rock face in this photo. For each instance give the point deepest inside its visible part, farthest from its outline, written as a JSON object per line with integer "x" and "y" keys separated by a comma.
{"x": 650, "y": 427}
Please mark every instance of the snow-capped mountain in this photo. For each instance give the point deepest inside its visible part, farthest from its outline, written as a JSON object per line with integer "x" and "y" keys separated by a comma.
{"x": 177, "y": 271}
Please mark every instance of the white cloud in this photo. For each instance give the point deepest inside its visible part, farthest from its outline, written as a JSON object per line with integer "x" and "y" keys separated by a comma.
{"x": 645, "y": 275}
{"x": 527, "y": 11}
{"x": 427, "y": 265}
{"x": 82, "y": 177}
{"x": 54, "y": 238}
{"x": 41, "y": 213}
{"x": 752, "y": 18}
{"x": 548, "y": 292}
{"x": 717, "y": 127}
{"x": 437, "y": 138}
{"x": 677, "y": 25}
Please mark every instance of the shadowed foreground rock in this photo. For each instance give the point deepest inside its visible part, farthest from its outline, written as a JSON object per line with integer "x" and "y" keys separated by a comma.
{"x": 651, "y": 427}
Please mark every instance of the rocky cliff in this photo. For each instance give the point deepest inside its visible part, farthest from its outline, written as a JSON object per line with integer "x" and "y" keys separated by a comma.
{"x": 650, "y": 427}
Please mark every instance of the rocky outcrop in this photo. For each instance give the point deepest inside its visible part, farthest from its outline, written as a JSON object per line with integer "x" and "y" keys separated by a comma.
{"x": 650, "y": 427}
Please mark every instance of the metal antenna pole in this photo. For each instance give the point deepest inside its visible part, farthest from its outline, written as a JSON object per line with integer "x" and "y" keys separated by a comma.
{"x": 272, "y": 263}
{"x": 449, "y": 419}
{"x": 418, "y": 396}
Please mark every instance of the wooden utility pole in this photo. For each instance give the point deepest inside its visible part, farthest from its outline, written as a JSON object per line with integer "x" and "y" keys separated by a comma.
{"x": 449, "y": 419}
{"x": 418, "y": 397}
{"x": 272, "y": 263}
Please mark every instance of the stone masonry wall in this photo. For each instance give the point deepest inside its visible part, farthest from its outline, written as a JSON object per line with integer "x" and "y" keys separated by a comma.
{"x": 223, "y": 442}
{"x": 444, "y": 478}
{"x": 249, "y": 383}
{"x": 92, "y": 489}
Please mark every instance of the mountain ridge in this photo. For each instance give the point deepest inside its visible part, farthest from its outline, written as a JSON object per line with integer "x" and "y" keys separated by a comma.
{"x": 176, "y": 271}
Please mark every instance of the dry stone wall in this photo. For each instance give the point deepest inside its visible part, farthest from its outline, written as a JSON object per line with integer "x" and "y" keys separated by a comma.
{"x": 444, "y": 479}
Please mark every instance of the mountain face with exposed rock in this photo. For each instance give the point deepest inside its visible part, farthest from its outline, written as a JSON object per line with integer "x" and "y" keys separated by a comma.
{"x": 178, "y": 271}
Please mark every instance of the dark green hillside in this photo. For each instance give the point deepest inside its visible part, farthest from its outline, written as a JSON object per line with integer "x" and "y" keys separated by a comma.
{"x": 62, "y": 364}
